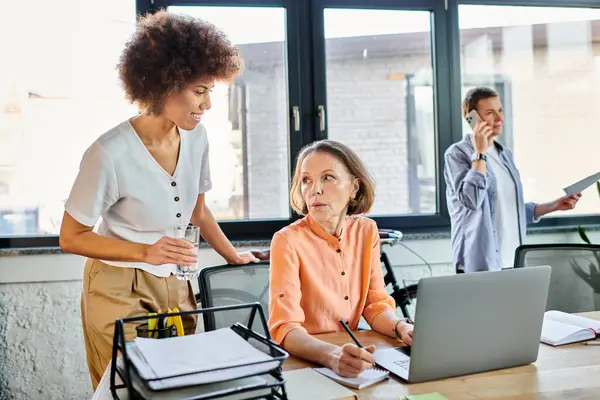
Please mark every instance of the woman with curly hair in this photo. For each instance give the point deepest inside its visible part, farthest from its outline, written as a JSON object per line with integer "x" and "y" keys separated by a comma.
{"x": 144, "y": 177}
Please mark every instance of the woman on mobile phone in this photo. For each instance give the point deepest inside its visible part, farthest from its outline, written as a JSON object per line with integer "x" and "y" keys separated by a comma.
{"x": 144, "y": 177}
{"x": 484, "y": 192}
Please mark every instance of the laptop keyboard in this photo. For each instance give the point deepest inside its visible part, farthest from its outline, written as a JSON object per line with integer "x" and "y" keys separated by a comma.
{"x": 404, "y": 364}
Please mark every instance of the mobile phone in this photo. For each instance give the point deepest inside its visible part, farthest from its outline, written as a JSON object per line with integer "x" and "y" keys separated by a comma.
{"x": 473, "y": 119}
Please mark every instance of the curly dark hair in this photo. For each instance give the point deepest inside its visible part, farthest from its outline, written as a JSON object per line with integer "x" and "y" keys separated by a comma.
{"x": 167, "y": 52}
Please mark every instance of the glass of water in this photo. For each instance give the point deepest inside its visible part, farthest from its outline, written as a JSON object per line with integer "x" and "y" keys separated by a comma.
{"x": 191, "y": 234}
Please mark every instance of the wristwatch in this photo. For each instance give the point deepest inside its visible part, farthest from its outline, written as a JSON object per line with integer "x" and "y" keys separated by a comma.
{"x": 406, "y": 320}
{"x": 478, "y": 156}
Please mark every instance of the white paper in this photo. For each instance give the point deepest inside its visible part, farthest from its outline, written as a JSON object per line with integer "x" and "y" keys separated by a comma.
{"x": 576, "y": 320}
{"x": 561, "y": 328}
{"x": 196, "y": 390}
{"x": 581, "y": 185}
{"x": 366, "y": 378}
{"x": 197, "y": 354}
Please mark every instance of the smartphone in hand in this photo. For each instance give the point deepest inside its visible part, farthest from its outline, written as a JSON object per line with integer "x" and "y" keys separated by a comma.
{"x": 473, "y": 119}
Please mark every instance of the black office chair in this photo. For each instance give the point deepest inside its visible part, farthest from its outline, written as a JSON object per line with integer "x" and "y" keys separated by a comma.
{"x": 223, "y": 285}
{"x": 575, "y": 279}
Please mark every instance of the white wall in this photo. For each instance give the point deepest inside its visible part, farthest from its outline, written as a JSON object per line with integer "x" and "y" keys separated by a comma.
{"x": 41, "y": 346}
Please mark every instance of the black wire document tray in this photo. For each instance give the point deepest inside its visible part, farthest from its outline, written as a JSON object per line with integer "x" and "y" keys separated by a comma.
{"x": 229, "y": 363}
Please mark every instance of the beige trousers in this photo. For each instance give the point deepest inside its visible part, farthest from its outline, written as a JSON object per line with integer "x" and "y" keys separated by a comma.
{"x": 110, "y": 293}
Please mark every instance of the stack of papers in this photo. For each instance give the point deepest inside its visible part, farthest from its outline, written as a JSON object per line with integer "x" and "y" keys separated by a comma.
{"x": 225, "y": 390}
{"x": 198, "y": 359}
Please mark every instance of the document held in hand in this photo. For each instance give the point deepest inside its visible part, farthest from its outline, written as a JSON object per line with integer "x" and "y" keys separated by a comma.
{"x": 583, "y": 184}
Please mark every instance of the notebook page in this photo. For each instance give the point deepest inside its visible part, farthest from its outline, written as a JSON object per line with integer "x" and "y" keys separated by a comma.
{"x": 554, "y": 332}
{"x": 575, "y": 320}
{"x": 198, "y": 353}
{"x": 366, "y": 378}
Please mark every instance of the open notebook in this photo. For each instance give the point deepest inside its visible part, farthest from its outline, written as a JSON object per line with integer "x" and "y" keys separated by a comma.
{"x": 561, "y": 328}
{"x": 366, "y": 378}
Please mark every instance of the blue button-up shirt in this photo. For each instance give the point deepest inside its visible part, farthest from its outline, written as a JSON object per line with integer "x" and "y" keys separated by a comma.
{"x": 471, "y": 198}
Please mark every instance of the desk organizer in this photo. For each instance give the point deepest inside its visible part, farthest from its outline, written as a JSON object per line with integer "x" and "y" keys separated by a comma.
{"x": 273, "y": 388}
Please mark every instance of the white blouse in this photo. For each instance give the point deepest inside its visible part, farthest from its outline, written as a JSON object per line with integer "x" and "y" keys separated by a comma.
{"x": 120, "y": 181}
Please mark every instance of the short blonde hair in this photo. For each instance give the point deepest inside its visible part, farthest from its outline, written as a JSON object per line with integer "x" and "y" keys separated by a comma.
{"x": 366, "y": 185}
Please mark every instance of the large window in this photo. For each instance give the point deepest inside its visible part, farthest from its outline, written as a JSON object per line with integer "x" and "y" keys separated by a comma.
{"x": 549, "y": 57}
{"x": 370, "y": 57}
{"x": 58, "y": 92}
{"x": 367, "y": 56}
{"x": 248, "y": 123}
{"x": 421, "y": 144}
{"x": 383, "y": 76}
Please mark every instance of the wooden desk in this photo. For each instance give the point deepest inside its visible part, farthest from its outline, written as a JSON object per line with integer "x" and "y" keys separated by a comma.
{"x": 569, "y": 372}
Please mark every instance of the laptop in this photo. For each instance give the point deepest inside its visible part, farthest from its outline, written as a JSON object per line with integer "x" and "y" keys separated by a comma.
{"x": 471, "y": 323}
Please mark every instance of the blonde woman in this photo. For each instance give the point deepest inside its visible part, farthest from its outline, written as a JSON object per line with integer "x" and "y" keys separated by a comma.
{"x": 325, "y": 268}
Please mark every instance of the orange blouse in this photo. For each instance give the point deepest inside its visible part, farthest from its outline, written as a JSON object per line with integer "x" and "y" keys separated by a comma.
{"x": 317, "y": 279}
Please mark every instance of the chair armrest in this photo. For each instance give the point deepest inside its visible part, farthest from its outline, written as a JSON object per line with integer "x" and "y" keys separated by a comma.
{"x": 390, "y": 236}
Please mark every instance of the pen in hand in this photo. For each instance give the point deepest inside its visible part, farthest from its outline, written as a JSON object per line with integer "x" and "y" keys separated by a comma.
{"x": 370, "y": 349}
{"x": 351, "y": 334}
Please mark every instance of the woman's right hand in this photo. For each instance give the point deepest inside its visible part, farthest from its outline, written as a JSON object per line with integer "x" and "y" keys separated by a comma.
{"x": 481, "y": 137}
{"x": 350, "y": 360}
{"x": 168, "y": 250}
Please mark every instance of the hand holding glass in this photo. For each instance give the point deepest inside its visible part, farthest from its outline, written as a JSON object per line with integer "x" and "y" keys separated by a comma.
{"x": 192, "y": 235}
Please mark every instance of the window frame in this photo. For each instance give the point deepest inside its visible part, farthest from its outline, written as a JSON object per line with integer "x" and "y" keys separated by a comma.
{"x": 501, "y": 84}
{"x": 442, "y": 112}
{"x": 239, "y": 230}
{"x": 306, "y": 58}
{"x": 528, "y": 3}
{"x": 547, "y": 223}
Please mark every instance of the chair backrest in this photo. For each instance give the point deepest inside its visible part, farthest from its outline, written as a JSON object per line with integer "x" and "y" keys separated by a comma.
{"x": 224, "y": 285}
{"x": 575, "y": 279}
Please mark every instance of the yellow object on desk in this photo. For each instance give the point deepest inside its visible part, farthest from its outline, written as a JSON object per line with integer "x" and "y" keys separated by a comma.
{"x": 160, "y": 324}
{"x": 176, "y": 320}
{"x": 152, "y": 323}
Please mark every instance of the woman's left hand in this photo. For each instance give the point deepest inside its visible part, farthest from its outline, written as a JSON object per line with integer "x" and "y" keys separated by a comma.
{"x": 566, "y": 203}
{"x": 405, "y": 332}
